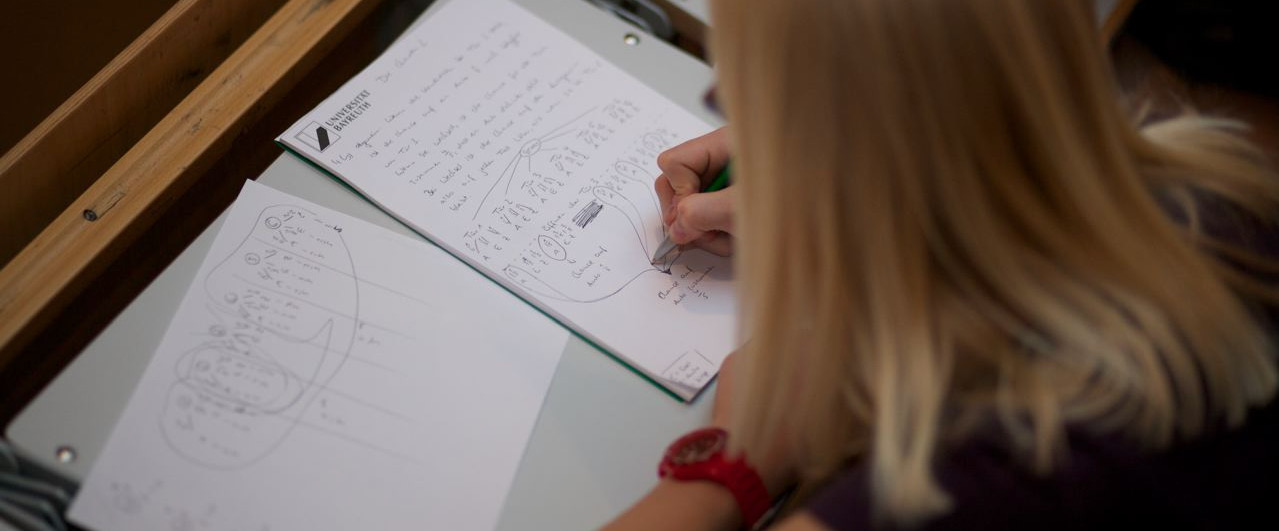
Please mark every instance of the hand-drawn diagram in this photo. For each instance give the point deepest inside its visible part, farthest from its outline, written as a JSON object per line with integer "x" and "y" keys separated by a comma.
{"x": 534, "y": 160}
{"x": 545, "y": 173}
{"x": 287, "y": 305}
{"x": 530, "y": 168}
{"x": 618, "y": 206}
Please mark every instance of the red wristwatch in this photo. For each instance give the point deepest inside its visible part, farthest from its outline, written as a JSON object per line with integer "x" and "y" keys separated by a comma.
{"x": 700, "y": 455}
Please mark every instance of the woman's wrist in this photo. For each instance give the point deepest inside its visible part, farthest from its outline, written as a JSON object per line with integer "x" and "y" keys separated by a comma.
{"x": 702, "y": 457}
{"x": 717, "y": 502}
{"x": 682, "y": 505}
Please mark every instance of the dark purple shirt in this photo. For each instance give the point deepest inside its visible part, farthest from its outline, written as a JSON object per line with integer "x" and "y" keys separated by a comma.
{"x": 1225, "y": 480}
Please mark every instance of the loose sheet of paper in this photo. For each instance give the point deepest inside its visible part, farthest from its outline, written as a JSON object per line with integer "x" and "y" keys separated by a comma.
{"x": 325, "y": 373}
{"x": 527, "y": 155}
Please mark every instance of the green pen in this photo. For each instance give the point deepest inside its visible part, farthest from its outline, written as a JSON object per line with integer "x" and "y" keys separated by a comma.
{"x": 720, "y": 183}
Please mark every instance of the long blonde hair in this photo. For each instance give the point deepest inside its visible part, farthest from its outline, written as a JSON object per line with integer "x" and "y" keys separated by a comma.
{"x": 945, "y": 215}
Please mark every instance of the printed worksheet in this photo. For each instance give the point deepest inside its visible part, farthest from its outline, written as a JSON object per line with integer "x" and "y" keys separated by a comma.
{"x": 326, "y": 373}
{"x": 528, "y": 156}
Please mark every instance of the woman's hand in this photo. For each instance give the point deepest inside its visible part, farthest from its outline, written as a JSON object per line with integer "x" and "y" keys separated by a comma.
{"x": 702, "y": 220}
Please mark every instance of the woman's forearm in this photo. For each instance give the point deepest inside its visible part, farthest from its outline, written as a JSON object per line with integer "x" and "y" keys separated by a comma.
{"x": 681, "y": 506}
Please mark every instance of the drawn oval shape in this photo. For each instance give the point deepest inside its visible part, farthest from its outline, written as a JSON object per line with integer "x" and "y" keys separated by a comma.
{"x": 301, "y": 325}
{"x": 531, "y": 147}
{"x": 632, "y": 170}
{"x": 606, "y": 194}
{"x": 654, "y": 142}
{"x": 534, "y": 284}
{"x": 551, "y": 248}
{"x": 514, "y": 273}
{"x": 217, "y": 433}
{"x": 238, "y": 378}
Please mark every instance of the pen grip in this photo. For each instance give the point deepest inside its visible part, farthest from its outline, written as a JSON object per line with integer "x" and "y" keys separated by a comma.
{"x": 720, "y": 182}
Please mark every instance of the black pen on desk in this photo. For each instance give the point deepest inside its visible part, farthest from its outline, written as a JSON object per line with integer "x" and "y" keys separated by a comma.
{"x": 720, "y": 183}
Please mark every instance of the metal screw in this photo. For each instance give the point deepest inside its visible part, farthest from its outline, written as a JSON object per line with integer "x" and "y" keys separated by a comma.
{"x": 65, "y": 454}
{"x": 90, "y": 215}
{"x": 631, "y": 39}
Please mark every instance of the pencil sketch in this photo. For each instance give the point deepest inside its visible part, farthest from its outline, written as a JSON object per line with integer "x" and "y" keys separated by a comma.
{"x": 535, "y": 165}
{"x": 620, "y": 201}
{"x": 285, "y": 308}
{"x": 585, "y": 216}
{"x": 555, "y": 149}
{"x": 558, "y": 187}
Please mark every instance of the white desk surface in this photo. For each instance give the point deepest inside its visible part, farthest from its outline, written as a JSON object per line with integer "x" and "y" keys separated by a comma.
{"x": 602, "y": 429}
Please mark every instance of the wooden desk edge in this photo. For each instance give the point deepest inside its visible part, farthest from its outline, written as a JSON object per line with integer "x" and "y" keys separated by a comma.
{"x": 72, "y": 250}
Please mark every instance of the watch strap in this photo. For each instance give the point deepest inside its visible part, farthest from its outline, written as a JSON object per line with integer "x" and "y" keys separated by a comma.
{"x": 741, "y": 480}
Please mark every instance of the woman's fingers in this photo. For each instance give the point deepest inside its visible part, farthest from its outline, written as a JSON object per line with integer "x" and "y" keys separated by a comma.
{"x": 699, "y": 214}
{"x": 720, "y": 243}
{"x": 688, "y": 168}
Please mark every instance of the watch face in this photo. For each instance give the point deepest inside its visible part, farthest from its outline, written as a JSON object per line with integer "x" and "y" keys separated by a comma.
{"x": 699, "y": 448}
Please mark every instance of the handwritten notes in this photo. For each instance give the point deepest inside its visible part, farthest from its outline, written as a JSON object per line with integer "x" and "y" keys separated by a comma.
{"x": 525, "y": 154}
{"x": 314, "y": 378}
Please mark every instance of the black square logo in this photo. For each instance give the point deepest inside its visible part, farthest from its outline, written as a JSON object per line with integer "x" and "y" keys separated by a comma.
{"x": 317, "y": 136}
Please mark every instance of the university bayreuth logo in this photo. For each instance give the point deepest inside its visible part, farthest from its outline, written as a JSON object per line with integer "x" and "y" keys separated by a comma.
{"x": 317, "y": 136}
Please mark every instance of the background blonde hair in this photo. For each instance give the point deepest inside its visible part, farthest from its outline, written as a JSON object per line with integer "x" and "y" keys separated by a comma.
{"x": 946, "y": 217}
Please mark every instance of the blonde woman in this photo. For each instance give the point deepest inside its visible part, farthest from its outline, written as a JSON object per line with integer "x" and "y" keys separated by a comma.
{"x": 977, "y": 295}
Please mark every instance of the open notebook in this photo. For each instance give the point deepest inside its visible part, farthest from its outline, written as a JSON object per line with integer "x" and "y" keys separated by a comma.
{"x": 526, "y": 155}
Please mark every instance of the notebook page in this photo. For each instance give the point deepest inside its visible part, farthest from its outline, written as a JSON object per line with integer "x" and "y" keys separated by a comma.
{"x": 528, "y": 156}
